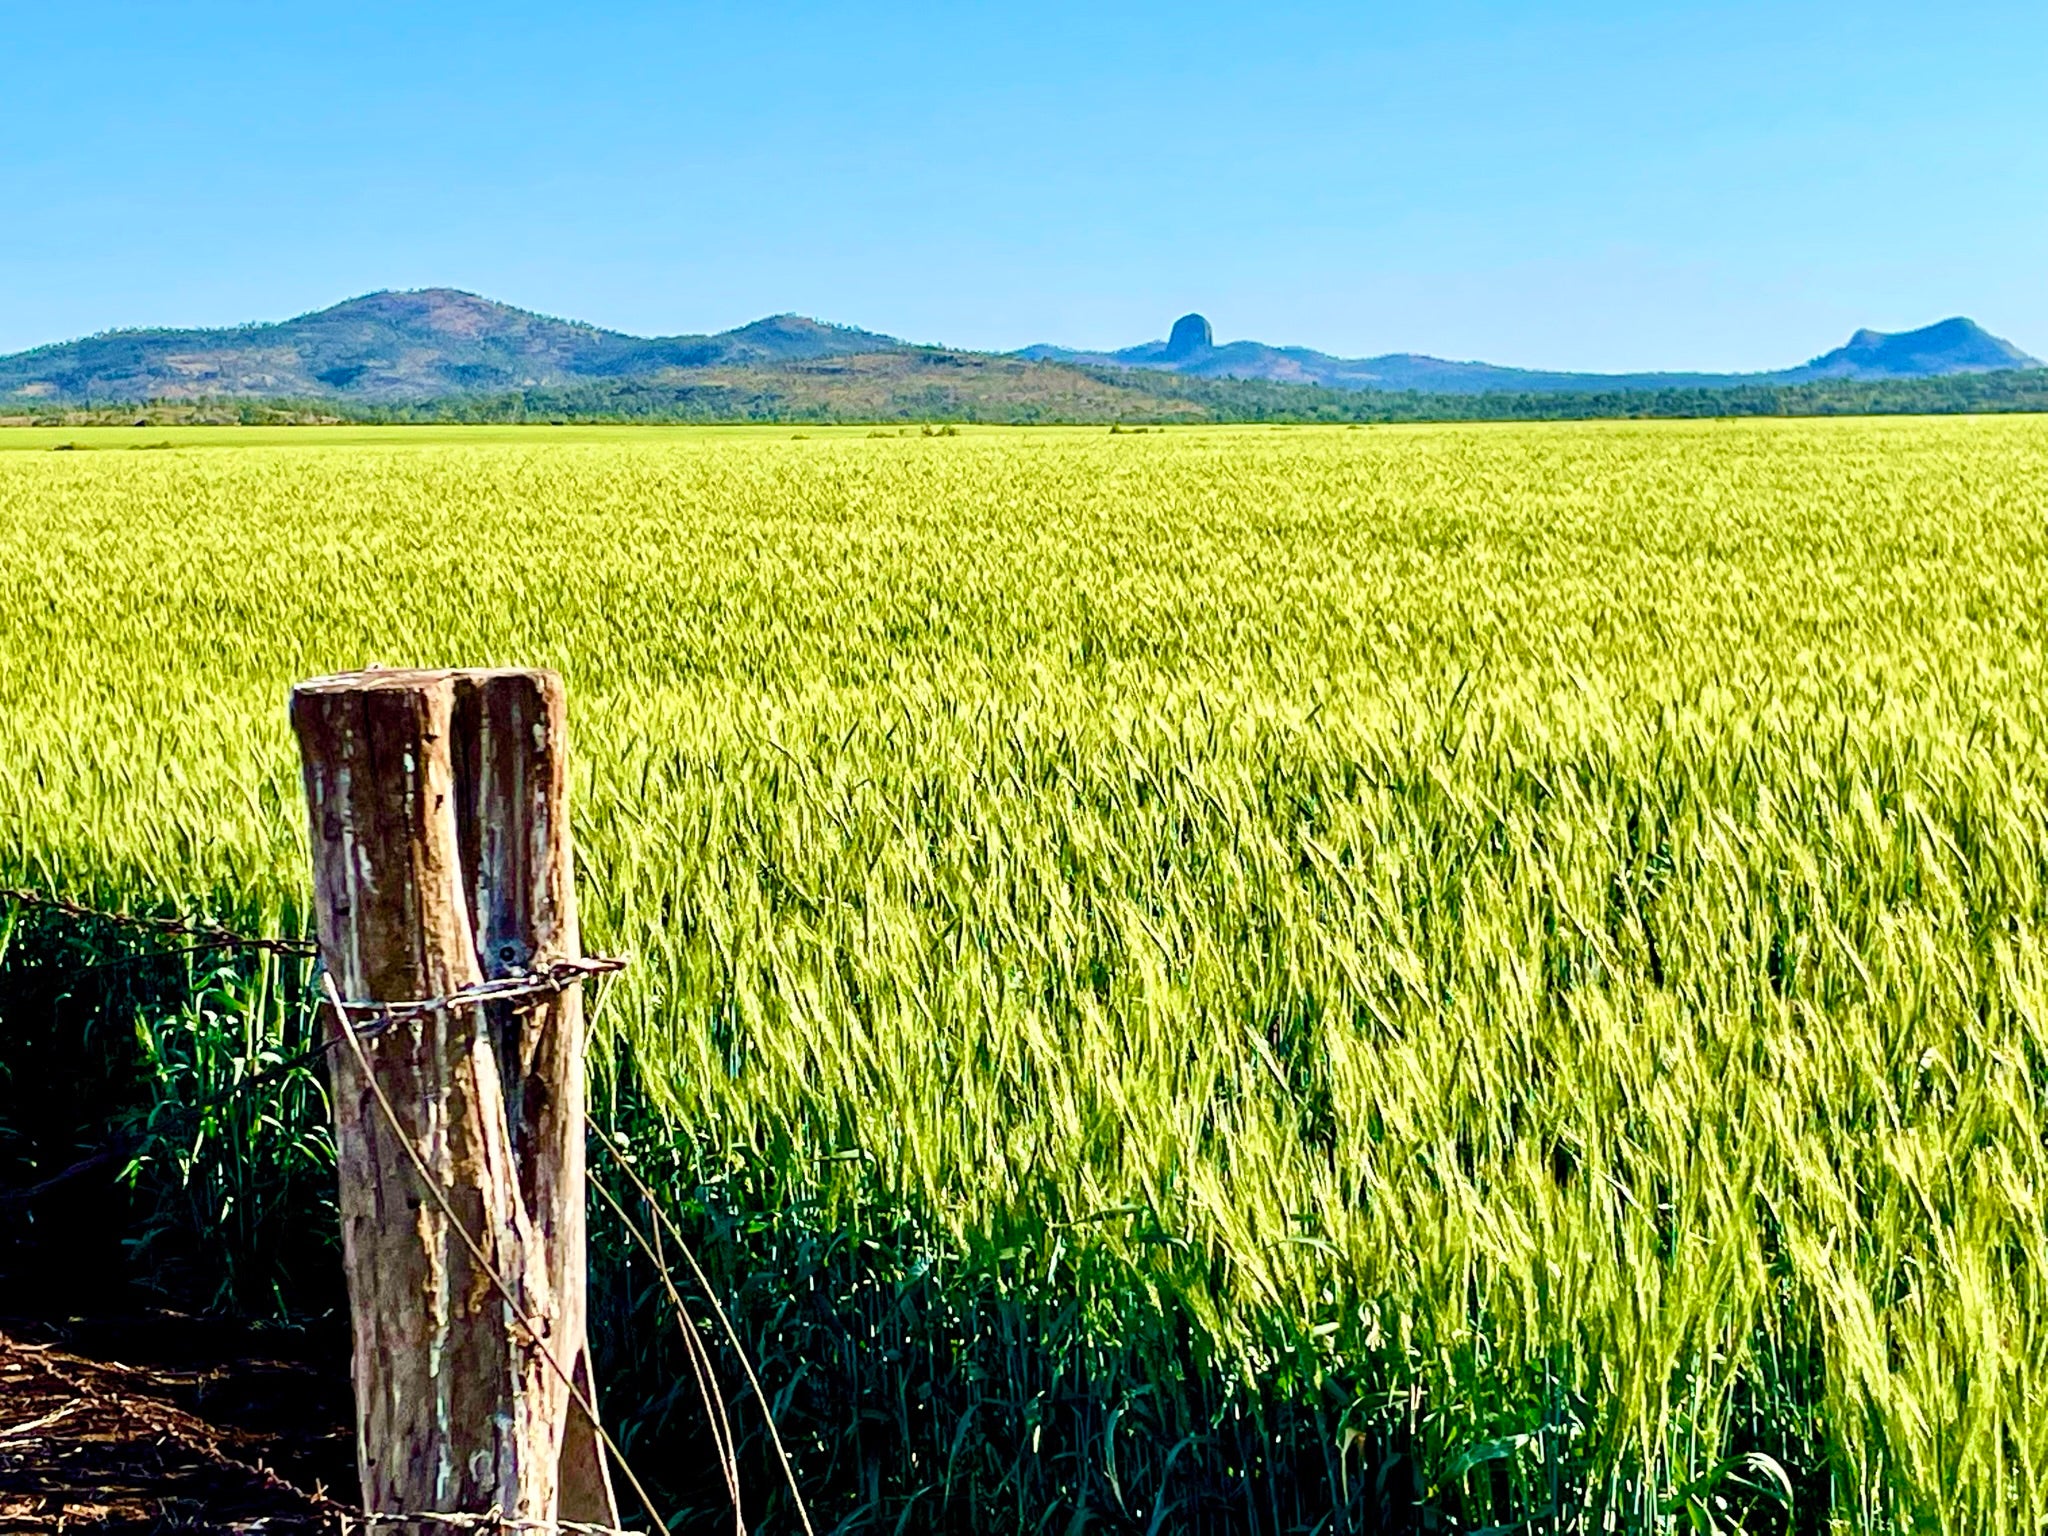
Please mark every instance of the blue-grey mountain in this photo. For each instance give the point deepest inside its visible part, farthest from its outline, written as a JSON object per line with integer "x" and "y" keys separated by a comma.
{"x": 1948, "y": 347}
{"x": 440, "y": 343}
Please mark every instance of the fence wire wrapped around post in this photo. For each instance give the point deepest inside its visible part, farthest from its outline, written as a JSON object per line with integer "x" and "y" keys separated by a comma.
{"x": 518, "y": 987}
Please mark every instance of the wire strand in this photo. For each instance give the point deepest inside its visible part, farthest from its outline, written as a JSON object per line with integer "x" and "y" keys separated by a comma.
{"x": 698, "y": 1356}
{"x": 731, "y": 1333}
{"x": 211, "y": 934}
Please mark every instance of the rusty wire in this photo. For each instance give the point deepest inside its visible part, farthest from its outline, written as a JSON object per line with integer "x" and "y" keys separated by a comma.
{"x": 209, "y": 934}
{"x": 550, "y": 979}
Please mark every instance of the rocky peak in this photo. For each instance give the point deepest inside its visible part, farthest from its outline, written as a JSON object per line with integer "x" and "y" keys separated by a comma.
{"x": 1190, "y": 335}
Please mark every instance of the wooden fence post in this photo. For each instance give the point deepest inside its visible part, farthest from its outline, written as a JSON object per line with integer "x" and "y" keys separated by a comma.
{"x": 438, "y": 803}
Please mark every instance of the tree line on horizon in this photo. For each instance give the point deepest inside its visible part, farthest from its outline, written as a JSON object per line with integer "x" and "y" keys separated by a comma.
{"x": 1141, "y": 398}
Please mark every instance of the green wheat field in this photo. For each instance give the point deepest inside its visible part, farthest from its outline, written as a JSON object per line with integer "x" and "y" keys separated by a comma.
{"x": 1280, "y": 980}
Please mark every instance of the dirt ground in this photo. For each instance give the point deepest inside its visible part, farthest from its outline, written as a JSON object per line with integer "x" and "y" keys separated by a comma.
{"x": 162, "y": 1423}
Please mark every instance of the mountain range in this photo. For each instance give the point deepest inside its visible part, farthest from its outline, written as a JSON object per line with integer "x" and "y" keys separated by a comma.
{"x": 392, "y": 346}
{"x": 438, "y": 343}
{"x": 1946, "y": 347}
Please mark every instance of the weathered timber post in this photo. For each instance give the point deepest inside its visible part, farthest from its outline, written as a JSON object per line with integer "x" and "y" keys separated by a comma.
{"x": 438, "y": 803}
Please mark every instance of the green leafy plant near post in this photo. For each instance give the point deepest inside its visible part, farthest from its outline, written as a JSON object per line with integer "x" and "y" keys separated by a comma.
{"x": 1271, "y": 980}
{"x": 133, "y": 1054}
{"x": 236, "y": 1189}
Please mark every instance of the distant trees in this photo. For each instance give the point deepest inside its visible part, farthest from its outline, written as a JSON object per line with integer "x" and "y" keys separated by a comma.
{"x": 1044, "y": 393}
{"x": 1250, "y": 400}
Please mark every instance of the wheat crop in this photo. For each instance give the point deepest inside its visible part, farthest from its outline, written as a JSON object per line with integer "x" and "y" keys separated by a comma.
{"x": 1215, "y": 979}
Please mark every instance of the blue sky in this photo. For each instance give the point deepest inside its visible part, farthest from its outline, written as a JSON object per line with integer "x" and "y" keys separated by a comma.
{"x": 1566, "y": 185}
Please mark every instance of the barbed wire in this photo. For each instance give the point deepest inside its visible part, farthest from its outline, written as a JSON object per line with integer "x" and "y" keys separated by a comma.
{"x": 376, "y": 1017}
{"x": 210, "y": 934}
{"x": 489, "y": 1521}
{"x": 162, "y": 1419}
{"x": 703, "y": 1371}
{"x": 557, "y": 976}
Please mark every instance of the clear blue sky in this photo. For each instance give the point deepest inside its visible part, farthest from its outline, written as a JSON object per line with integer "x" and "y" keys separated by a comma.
{"x": 1727, "y": 185}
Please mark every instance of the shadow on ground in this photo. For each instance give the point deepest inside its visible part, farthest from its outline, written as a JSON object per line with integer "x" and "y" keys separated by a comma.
{"x": 156, "y": 1422}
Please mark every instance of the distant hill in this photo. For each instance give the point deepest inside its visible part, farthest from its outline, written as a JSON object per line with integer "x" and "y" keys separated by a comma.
{"x": 1948, "y": 346}
{"x": 1952, "y": 346}
{"x": 398, "y": 346}
{"x": 407, "y": 350}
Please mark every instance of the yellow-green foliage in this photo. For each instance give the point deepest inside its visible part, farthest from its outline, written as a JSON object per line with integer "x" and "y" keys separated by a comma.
{"x": 1450, "y": 909}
